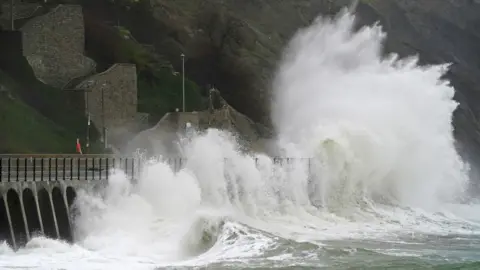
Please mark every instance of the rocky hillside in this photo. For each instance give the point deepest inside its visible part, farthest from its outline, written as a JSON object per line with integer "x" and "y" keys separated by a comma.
{"x": 235, "y": 45}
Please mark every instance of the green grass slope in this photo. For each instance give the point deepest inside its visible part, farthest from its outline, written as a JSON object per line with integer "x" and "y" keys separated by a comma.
{"x": 35, "y": 118}
{"x": 24, "y": 130}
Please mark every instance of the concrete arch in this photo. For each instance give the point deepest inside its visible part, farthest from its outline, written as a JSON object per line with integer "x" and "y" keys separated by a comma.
{"x": 18, "y": 223}
{"x": 61, "y": 213}
{"x": 31, "y": 213}
{"x": 71, "y": 196}
{"x": 47, "y": 214}
{"x": 5, "y": 227}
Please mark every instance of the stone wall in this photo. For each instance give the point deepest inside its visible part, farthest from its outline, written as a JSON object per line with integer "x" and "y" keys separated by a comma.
{"x": 54, "y": 46}
{"x": 119, "y": 86}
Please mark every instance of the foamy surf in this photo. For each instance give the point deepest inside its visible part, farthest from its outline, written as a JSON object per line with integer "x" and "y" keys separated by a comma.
{"x": 382, "y": 171}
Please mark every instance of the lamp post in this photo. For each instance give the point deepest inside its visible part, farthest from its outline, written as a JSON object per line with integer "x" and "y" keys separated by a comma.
{"x": 88, "y": 131}
{"x": 183, "y": 81}
{"x": 85, "y": 90}
{"x": 104, "y": 129}
{"x": 11, "y": 15}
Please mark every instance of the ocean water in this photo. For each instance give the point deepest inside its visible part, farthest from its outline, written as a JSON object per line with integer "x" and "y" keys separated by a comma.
{"x": 384, "y": 188}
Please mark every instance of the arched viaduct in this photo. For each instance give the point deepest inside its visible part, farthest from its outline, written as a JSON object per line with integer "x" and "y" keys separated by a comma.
{"x": 37, "y": 193}
{"x": 28, "y": 209}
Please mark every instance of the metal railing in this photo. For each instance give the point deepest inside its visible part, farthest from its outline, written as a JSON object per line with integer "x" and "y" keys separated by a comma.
{"x": 54, "y": 168}
{"x": 15, "y": 168}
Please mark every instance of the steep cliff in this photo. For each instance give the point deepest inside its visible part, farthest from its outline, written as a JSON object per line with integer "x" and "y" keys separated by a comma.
{"x": 235, "y": 45}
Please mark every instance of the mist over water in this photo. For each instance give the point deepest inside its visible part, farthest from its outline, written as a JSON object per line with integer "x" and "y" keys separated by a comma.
{"x": 383, "y": 168}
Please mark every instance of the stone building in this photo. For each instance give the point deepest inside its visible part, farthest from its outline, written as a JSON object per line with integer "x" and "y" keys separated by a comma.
{"x": 54, "y": 46}
{"x": 112, "y": 101}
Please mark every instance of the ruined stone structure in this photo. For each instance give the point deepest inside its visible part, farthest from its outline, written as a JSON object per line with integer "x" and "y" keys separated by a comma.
{"x": 112, "y": 101}
{"x": 54, "y": 46}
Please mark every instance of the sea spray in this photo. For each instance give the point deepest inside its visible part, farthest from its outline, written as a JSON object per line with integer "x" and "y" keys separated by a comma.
{"x": 378, "y": 132}
{"x": 377, "y": 127}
